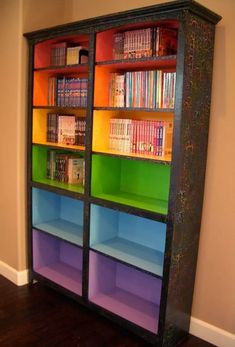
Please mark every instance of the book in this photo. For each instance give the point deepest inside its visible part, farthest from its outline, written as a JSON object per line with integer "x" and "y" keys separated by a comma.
{"x": 168, "y": 92}
{"x": 151, "y": 137}
{"x": 118, "y": 42}
{"x": 61, "y": 167}
{"x": 167, "y": 138}
{"x": 145, "y": 42}
{"x": 138, "y": 43}
{"x": 65, "y": 167}
{"x": 141, "y": 89}
{"x": 67, "y": 91}
{"x": 66, "y": 129}
{"x": 76, "y": 170}
{"x": 166, "y": 41}
{"x": 52, "y": 127}
{"x": 58, "y": 54}
{"x": 80, "y": 131}
{"x": 51, "y": 163}
{"x": 117, "y": 90}
{"x": 76, "y": 55}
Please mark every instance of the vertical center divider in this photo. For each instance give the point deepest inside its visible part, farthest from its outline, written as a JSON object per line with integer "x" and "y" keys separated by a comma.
{"x": 88, "y": 153}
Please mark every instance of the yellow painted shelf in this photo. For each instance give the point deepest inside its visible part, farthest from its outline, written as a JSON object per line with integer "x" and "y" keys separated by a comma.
{"x": 136, "y": 155}
{"x": 60, "y": 146}
{"x": 39, "y": 134}
{"x": 101, "y": 120}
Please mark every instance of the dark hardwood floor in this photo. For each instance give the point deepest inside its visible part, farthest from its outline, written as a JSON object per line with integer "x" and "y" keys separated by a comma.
{"x": 37, "y": 316}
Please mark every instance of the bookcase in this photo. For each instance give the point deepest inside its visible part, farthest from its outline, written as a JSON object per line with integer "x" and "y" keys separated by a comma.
{"x": 118, "y": 119}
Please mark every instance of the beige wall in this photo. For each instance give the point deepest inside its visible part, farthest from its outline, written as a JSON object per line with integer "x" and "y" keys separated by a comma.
{"x": 214, "y": 297}
{"x": 9, "y": 100}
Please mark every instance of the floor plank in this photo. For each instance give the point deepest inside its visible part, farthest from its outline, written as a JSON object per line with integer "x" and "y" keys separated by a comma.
{"x": 37, "y": 316}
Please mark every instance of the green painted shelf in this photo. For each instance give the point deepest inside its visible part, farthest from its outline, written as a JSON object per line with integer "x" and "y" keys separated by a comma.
{"x": 134, "y": 183}
{"x": 39, "y": 163}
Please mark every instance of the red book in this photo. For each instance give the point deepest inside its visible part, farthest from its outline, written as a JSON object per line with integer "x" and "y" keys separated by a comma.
{"x": 166, "y": 41}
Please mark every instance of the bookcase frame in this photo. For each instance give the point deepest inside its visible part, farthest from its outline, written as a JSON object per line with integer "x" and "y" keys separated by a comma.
{"x": 196, "y": 29}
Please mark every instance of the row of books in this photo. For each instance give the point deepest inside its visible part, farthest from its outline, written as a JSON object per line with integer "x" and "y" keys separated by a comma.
{"x": 147, "y": 89}
{"x": 66, "y": 129}
{"x": 146, "y": 42}
{"x": 63, "y": 54}
{"x": 64, "y": 167}
{"x": 67, "y": 91}
{"x": 141, "y": 136}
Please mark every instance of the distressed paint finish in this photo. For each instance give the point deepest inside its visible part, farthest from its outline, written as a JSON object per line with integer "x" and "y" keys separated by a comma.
{"x": 194, "y": 73}
{"x": 188, "y": 173}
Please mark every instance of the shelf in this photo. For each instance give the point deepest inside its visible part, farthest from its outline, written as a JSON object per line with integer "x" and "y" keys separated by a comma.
{"x": 42, "y": 50}
{"x": 52, "y": 145}
{"x": 126, "y": 89}
{"x": 142, "y": 63}
{"x": 63, "y": 229}
{"x": 136, "y": 109}
{"x": 70, "y": 187}
{"x": 125, "y": 291}
{"x": 40, "y": 126}
{"x": 159, "y": 217}
{"x": 134, "y": 240}
{"x": 133, "y": 253}
{"x": 162, "y": 160}
{"x": 102, "y": 119}
{"x": 65, "y": 69}
{"x": 58, "y": 215}
{"x": 124, "y": 181}
{"x": 41, "y": 86}
{"x": 139, "y": 201}
{"x": 58, "y": 261}
{"x": 59, "y": 109}
{"x": 39, "y": 170}
{"x": 105, "y": 38}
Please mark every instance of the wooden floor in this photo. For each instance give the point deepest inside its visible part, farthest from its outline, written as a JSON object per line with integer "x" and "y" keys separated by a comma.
{"x": 37, "y": 316}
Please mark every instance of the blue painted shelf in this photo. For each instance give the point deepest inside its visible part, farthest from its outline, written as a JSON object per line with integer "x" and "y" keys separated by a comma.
{"x": 58, "y": 215}
{"x": 63, "y": 229}
{"x": 134, "y": 240}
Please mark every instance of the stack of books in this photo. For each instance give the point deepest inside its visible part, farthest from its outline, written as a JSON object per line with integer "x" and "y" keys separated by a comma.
{"x": 64, "y": 54}
{"x": 142, "y": 89}
{"x": 141, "y": 136}
{"x": 65, "y": 168}
{"x": 66, "y": 129}
{"x": 67, "y": 91}
{"x": 58, "y": 54}
{"x": 146, "y": 42}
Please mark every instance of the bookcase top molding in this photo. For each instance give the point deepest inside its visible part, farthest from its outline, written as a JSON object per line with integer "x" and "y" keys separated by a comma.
{"x": 165, "y": 10}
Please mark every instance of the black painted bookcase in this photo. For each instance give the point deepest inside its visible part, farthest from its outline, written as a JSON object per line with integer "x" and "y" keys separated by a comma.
{"x": 114, "y": 211}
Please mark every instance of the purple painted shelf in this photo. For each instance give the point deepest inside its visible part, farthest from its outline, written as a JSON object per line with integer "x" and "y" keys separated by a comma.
{"x": 58, "y": 261}
{"x": 125, "y": 291}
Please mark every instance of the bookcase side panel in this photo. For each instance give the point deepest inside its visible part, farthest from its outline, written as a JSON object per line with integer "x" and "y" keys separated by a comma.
{"x": 188, "y": 174}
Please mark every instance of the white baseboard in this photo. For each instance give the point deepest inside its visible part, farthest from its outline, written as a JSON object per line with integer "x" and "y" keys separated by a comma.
{"x": 212, "y": 334}
{"x": 17, "y": 277}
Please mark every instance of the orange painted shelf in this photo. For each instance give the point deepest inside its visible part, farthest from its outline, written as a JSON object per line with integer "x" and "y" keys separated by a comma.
{"x": 103, "y": 73}
{"x": 41, "y": 77}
